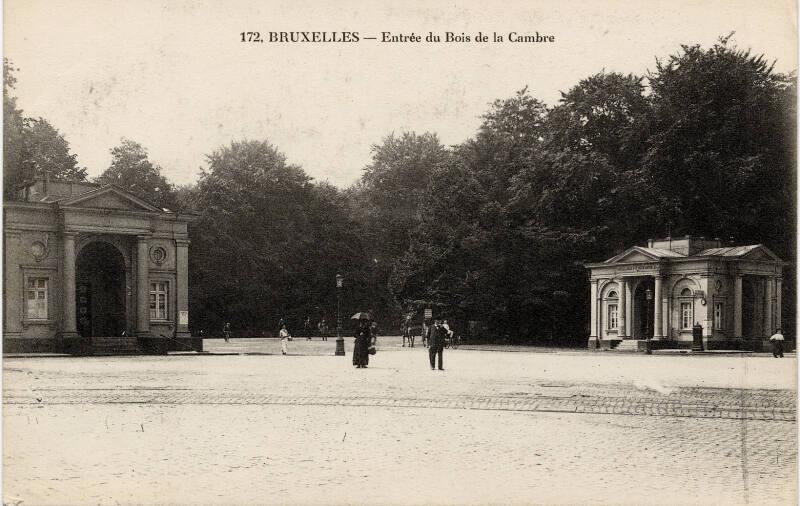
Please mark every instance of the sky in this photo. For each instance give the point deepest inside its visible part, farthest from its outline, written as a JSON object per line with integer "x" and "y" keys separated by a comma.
{"x": 176, "y": 77}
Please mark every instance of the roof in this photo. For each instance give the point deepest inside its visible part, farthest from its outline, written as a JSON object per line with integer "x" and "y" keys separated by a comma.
{"x": 640, "y": 254}
{"x": 661, "y": 253}
{"x": 731, "y": 251}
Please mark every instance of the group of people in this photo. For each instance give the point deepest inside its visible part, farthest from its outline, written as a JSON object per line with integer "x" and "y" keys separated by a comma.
{"x": 309, "y": 329}
{"x": 409, "y": 334}
{"x": 434, "y": 338}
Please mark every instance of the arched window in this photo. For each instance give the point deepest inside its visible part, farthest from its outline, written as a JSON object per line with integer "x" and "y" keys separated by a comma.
{"x": 612, "y": 310}
{"x": 686, "y": 292}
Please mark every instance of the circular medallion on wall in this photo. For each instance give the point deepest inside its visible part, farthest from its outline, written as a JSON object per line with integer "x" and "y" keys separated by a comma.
{"x": 39, "y": 251}
{"x": 158, "y": 255}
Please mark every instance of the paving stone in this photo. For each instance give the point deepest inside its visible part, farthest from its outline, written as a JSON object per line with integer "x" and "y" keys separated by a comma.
{"x": 511, "y": 428}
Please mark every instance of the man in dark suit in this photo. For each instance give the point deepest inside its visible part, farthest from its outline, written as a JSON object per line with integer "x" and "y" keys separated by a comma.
{"x": 436, "y": 337}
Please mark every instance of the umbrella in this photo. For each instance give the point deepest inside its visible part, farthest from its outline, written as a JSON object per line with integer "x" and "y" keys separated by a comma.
{"x": 361, "y": 316}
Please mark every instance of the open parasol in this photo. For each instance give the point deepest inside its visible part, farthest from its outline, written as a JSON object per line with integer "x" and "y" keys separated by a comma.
{"x": 361, "y": 316}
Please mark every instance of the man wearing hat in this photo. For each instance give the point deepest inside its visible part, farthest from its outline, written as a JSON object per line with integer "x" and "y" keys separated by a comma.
{"x": 436, "y": 337}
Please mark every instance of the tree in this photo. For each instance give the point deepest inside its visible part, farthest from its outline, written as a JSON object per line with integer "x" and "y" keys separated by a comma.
{"x": 592, "y": 179}
{"x": 49, "y": 152}
{"x": 719, "y": 154}
{"x": 131, "y": 170}
{"x": 604, "y": 114}
{"x": 268, "y": 242}
{"x": 387, "y": 203}
{"x": 17, "y": 166}
{"x": 722, "y": 150}
{"x": 31, "y": 147}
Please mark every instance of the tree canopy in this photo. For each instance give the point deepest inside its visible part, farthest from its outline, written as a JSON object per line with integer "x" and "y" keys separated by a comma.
{"x": 131, "y": 170}
{"x": 32, "y": 147}
{"x": 495, "y": 229}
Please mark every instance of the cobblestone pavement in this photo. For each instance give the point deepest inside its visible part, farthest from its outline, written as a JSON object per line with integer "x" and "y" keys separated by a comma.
{"x": 517, "y": 428}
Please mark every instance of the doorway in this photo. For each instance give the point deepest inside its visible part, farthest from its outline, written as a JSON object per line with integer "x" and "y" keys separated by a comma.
{"x": 749, "y": 310}
{"x": 100, "y": 287}
{"x": 644, "y": 310}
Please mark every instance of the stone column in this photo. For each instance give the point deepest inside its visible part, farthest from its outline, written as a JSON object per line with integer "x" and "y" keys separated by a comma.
{"x": 768, "y": 326}
{"x": 622, "y": 309}
{"x": 69, "y": 325}
{"x": 778, "y": 303}
{"x": 182, "y": 295}
{"x": 142, "y": 287}
{"x": 706, "y": 310}
{"x": 737, "y": 307}
{"x": 657, "y": 318}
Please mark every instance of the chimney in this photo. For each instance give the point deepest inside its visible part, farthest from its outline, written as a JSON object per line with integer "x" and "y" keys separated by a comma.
{"x": 649, "y": 243}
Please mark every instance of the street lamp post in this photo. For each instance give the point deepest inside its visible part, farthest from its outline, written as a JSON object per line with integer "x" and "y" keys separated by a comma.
{"x": 339, "y": 338}
{"x": 648, "y": 294}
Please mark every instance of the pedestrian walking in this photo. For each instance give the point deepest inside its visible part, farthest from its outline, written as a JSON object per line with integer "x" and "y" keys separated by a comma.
{"x": 364, "y": 339}
{"x": 777, "y": 344}
{"x": 436, "y": 337}
{"x": 323, "y": 329}
{"x": 426, "y": 330}
{"x": 226, "y": 332}
{"x": 285, "y": 336}
{"x": 307, "y": 328}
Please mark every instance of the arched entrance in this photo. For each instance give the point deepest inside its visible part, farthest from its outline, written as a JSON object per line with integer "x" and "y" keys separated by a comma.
{"x": 749, "y": 310}
{"x": 643, "y": 310}
{"x": 100, "y": 287}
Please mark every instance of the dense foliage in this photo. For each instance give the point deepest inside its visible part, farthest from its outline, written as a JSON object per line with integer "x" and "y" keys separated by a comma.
{"x": 32, "y": 147}
{"x": 132, "y": 170}
{"x": 495, "y": 230}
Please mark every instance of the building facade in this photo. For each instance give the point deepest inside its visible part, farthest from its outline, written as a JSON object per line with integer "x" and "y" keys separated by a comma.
{"x": 85, "y": 262}
{"x": 660, "y": 292}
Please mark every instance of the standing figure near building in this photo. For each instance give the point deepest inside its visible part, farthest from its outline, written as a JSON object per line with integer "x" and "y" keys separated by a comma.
{"x": 436, "y": 337}
{"x": 226, "y": 332}
{"x": 285, "y": 336}
{"x": 361, "y": 347}
{"x": 307, "y": 328}
{"x": 777, "y": 344}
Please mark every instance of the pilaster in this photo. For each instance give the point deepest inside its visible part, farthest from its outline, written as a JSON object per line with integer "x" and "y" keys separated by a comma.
{"x": 658, "y": 319}
{"x": 70, "y": 328}
{"x": 622, "y": 310}
{"x": 142, "y": 286}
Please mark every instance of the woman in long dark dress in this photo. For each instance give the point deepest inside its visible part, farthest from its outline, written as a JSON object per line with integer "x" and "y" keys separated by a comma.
{"x": 361, "y": 347}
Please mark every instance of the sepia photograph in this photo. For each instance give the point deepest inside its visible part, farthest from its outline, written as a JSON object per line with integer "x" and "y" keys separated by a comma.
{"x": 274, "y": 252}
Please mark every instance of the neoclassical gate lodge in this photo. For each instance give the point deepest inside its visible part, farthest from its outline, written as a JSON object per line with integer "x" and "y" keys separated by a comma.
{"x": 87, "y": 265}
{"x": 661, "y": 291}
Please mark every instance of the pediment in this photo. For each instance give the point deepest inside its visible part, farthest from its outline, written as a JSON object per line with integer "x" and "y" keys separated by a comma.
{"x": 761, "y": 253}
{"x": 632, "y": 255}
{"x": 109, "y": 197}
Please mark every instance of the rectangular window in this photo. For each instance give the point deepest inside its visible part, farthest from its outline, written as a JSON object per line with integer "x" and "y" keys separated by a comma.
{"x": 36, "y": 299}
{"x": 612, "y": 316}
{"x": 159, "y": 300}
{"x": 686, "y": 315}
{"x": 719, "y": 314}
